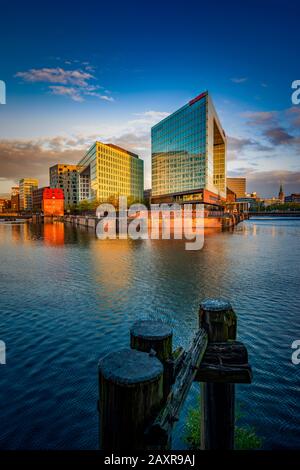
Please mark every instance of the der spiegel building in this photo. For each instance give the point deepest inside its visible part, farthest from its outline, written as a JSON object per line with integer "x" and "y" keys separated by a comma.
{"x": 189, "y": 155}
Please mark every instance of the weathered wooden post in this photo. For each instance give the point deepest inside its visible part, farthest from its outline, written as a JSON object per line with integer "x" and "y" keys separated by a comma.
{"x": 131, "y": 391}
{"x": 142, "y": 389}
{"x": 217, "y": 399}
{"x": 147, "y": 335}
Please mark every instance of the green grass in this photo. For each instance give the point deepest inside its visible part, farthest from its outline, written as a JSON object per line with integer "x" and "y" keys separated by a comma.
{"x": 245, "y": 437}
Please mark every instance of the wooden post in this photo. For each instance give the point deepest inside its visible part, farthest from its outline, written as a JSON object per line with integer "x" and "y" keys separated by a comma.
{"x": 131, "y": 392}
{"x": 217, "y": 399}
{"x": 147, "y": 335}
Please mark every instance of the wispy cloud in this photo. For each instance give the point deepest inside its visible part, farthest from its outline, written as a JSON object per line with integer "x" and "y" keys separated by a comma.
{"x": 75, "y": 84}
{"x": 279, "y": 136}
{"x": 56, "y": 75}
{"x": 98, "y": 95}
{"x": 239, "y": 79}
{"x": 261, "y": 117}
{"x": 238, "y": 147}
{"x": 19, "y": 158}
{"x": 278, "y": 128}
{"x": 66, "y": 91}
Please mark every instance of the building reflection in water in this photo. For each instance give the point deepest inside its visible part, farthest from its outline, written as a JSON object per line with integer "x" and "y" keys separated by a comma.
{"x": 54, "y": 234}
{"x": 112, "y": 261}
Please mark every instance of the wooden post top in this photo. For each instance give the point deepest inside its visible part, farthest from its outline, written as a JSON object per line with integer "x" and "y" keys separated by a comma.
{"x": 129, "y": 367}
{"x": 151, "y": 330}
{"x": 215, "y": 305}
{"x": 218, "y": 319}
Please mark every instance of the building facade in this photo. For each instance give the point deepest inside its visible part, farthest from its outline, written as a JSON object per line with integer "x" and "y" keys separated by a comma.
{"x": 238, "y": 186}
{"x": 65, "y": 177}
{"x": 53, "y": 202}
{"x": 107, "y": 172}
{"x": 295, "y": 197}
{"x": 48, "y": 201}
{"x": 37, "y": 199}
{"x": 15, "y": 199}
{"x": 189, "y": 155}
{"x": 26, "y": 187}
{"x": 231, "y": 196}
{"x": 5, "y": 205}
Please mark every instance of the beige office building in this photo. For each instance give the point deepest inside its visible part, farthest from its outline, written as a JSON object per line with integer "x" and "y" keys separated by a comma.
{"x": 26, "y": 187}
{"x": 238, "y": 186}
{"x": 107, "y": 172}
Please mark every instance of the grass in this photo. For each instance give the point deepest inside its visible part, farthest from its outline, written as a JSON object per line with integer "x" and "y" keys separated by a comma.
{"x": 245, "y": 437}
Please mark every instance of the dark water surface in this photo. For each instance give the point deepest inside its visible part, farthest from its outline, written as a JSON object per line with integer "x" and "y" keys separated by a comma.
{"x": 67, "y": 298}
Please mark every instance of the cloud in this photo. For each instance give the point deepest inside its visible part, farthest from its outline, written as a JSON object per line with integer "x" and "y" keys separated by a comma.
{"x": 238, "y": 147}
{"x": 266, "y": 183}
{"x": 293, "y": 114}
{"x": 98, "y": 95}
{"x": 261, "y": 118}
{"x": 32, "y": 158}
{"x": 150, "y": 118}
{"x": 239, "y": 79}
{"x": 65, "y": 91}
{"x": 279, "y": 136}
{"x": 75, "y": 84}
{"x": 277, "y": 128}
{"x": 56, "y": 75}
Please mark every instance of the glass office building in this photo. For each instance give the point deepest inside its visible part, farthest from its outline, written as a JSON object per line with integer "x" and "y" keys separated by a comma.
{"x": 26, "y": 187}
{"x": 107, "y": 172}
{"x": 189, "y": 155}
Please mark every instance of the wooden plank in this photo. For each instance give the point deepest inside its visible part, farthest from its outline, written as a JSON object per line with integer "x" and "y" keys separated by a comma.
{"x": 158, "y": 433}
{"x": 225, "y": 363}
{"x": 238, "y": 374}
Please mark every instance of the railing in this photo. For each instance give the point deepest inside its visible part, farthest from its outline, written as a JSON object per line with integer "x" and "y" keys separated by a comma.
{"x": 142, "y": 388}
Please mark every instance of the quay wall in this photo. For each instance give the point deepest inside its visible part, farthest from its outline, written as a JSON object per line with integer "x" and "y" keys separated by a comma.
{"x": 223, "y": 221}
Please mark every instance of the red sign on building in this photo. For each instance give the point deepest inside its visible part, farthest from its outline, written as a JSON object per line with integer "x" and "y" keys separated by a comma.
{"x": 199, "y": 97}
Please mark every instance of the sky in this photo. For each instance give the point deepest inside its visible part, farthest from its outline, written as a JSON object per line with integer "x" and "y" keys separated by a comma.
{"x": 81, "y": 71}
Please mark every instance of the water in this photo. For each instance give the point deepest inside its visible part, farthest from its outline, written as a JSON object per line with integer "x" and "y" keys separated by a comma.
{"x": 68, "y": 298}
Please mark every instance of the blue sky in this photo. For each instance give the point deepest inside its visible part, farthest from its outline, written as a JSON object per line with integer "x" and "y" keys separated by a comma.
{"x": 110, "y": 70}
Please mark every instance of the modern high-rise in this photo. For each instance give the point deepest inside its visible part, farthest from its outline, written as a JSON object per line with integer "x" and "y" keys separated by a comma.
{"x": 26, "y": 187}
{"x": 189, "y": 155}
{"x": 65, "y": 177}
{"x": 238, "y": 186}
{"x": 108, "y": 171}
